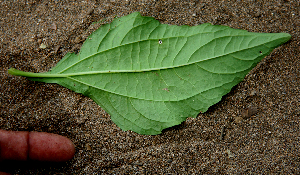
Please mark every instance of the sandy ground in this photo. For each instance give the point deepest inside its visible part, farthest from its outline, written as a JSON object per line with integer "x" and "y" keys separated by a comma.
{"x": 264, "y": 143}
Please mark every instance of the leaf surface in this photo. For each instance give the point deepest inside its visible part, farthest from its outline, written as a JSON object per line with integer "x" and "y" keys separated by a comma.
{"x": 150, "y": 76}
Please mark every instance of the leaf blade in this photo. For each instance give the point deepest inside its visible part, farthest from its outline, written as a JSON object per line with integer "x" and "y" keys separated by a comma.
{"x": 149, "y": 76}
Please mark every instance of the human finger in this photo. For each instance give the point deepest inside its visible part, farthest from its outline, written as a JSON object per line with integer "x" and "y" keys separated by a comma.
{"x": 41, "y": 146}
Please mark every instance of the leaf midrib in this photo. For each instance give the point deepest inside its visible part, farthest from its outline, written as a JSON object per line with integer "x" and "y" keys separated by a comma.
{"x": 146, "y": 70}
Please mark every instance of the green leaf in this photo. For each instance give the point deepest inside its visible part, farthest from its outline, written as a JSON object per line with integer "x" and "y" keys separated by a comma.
{"x": 150, "y": 76}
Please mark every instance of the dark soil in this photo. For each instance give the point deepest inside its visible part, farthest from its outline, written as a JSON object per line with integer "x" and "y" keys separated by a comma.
{"x": 227, "y": 139}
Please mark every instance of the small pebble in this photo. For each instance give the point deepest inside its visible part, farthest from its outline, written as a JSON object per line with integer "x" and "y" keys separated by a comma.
{"x": 88, "y": 147}
{"x": 249, "y": 112}
{"x": 43, "y": 46}
{"x": 230, "y": 155}
{"x": 53, "y": 26}
{"x": 238, "y": 119}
